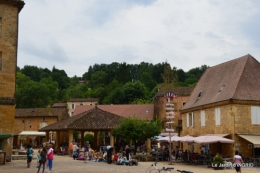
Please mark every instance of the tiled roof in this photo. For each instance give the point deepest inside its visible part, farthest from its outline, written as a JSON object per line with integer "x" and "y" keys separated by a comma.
{"x": 94, "y": 119}
{"x": 145, "y": 111}
{"x": 238, "y": 78}
{"x": 41, "y": 112}
{"x": 179, "y": 91}
{"x": 83, "y": 100}
{"x": 59, "y": 105}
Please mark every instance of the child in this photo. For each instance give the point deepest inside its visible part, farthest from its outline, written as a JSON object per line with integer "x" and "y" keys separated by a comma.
{"x": 38, "y": 158}
{"x": 115, "y": 157}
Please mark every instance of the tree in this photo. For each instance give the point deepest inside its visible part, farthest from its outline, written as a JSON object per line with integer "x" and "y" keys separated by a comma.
{"x": 135, "y": 129}
{"x": 169, "y": 75}
{"x": 147, "y": 80}
{"x": 134, "y": 90}
{"x": 89, "y": 137}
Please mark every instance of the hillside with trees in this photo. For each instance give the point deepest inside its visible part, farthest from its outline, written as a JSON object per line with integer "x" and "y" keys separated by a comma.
{"x": 115, "y": 83}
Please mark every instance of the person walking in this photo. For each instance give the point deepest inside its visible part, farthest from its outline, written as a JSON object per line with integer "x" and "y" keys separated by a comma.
{"x": 29, "y": 155}
{"x": 238, "y": 160}
{"x": 109, "y": 154}
{"x": 127, "y": 152}
{"x": 50, "y": 157}
{"x": 43, "y": 160}
{"x": 71, "y": 149}
{"x": 86, "y": 150}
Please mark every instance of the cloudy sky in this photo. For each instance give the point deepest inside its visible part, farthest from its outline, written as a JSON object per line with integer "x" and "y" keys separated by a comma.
{"x": 74, "y": 34}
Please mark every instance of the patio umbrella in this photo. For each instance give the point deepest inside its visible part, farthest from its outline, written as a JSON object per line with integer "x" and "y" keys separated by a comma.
{"x": 166, "y": 139}
{"x": 212, "y": 139}
{"x": 188, "y": 139}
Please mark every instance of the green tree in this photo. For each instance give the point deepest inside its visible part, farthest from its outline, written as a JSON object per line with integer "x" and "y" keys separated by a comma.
{"x": 134, "y": 90}
{"x": 147, "y": 80}
{"x": 169, "y": 75}
{"x": 89, "y": 137}
{"x": 135, "y": 129}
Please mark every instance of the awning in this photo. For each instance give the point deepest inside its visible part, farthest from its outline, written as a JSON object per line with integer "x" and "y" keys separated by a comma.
{"x": 254, "y": 139}
{"x": 5, "y": 135}
{"x": 32, "y": 133}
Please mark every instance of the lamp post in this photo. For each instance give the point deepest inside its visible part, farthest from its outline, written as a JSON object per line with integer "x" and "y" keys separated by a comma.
{"x": 170, "y": 116}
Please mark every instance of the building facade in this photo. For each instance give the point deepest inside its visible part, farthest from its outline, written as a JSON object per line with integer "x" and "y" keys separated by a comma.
{"x": 32, "y": 120}
{"x": 73, "y": 102}
{"x": 9, "y": 19}
{"x": 226, "y": 102}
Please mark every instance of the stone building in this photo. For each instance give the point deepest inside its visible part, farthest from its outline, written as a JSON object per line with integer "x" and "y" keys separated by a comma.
{"x": 226, "y": 102}
{"x": 30, "y": 120}
{"x": 182, "y": 94}
{"x": 73, "y": 102}
{"x": 9, "y": 19}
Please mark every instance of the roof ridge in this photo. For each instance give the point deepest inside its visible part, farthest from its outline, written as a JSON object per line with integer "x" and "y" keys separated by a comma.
{"x": 247, "y": 57}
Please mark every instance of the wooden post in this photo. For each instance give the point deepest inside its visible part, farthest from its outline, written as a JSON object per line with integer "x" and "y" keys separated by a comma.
{"x": 57, "y": 142}
{"x": 47, "y": 136}
{"x": 70, "y": 138}
{"x": 95, "y": 142}
{"x": 82, "y": 138}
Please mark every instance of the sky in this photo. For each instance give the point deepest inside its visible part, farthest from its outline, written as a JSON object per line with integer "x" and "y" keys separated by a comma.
{"x": 75, "y": 34}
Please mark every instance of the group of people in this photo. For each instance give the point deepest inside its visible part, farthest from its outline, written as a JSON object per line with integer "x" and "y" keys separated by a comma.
{"x": 44, "y": 157}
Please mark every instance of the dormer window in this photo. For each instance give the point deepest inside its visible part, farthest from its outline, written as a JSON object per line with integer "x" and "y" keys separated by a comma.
{"x": 221, "y": 88}
{"x": 200, "y": 94}
{"x": 146, "y": 111}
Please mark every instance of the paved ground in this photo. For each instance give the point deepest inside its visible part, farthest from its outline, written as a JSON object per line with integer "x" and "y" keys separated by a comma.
{"x": 65, "y": 164}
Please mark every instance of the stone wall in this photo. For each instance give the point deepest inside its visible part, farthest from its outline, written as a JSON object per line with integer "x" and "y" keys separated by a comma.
{"x": 8, "y": 51}
{"x": 159, "y": 108}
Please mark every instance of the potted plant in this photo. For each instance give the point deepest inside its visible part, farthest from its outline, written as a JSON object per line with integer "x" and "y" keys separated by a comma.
{"x": 218, "y": 163}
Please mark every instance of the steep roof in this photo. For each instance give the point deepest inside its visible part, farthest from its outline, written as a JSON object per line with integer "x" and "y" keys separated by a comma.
{"x": 179, "y": 91}
{"x": 145, "y": 111}
{"x": 41, "y": 112}
{"x": 94, "y": 119}
{"x": 237, "y": 79}
{"x": 83, "y": 100}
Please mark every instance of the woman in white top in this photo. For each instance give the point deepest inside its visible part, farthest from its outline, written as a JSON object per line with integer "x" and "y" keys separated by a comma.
{"x": 238, "y": 161}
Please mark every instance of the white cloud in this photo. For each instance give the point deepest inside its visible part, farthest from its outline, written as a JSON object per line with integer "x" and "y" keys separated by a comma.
{"x": 72, "y": 35}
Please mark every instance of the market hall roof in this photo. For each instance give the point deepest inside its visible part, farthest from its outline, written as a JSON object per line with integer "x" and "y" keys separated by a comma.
{"x": 94, "y": 119}
{"x": 144, "y": 111}
{"x": 238, "y": 79}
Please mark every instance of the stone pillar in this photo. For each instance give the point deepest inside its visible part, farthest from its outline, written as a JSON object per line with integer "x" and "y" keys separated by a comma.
{"x": 95, "y": 142}
{"x": 82, "y": 138}
{"x": 57, "y": 142}
{"x": 148, "y": 145}
{"x": 112, "y": 141}
{"x": 70, "y": 138}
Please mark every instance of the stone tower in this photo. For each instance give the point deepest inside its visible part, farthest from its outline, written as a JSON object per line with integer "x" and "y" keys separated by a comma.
{"x": 9, "y": 17}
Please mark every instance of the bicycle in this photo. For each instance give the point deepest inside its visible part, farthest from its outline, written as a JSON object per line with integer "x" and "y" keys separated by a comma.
{"x": 156, "y": 169}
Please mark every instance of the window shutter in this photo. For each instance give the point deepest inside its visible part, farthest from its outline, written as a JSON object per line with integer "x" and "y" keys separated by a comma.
{"x": 192, "y": 119}
{"x": 258, "y": 115}
{"x": 188, "y": 122}
{"x": 219, "y": 116}
{"x": 254, "y": 114}
{"x": 202, "y": 118}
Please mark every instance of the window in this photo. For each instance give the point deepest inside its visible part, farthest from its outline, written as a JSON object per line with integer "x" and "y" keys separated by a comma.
{"x": 255, "y": 114}
{"x": 183, "y": 103}
{"x": 217, "y": 116}
{"x": 43, "y": 124}
{"x": 71, "y": 114}
{"x": 202, "y": 118}
{"x": 43, "y": 119}
{"x": 72, "y": 106}
{"x": 179, "y": 122}
{"x": 30, "y": 126}
{"x": 190, "y": 120}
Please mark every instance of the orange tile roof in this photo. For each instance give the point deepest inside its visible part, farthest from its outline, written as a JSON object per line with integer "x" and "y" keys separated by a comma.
{"x": 145, "y": 111}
